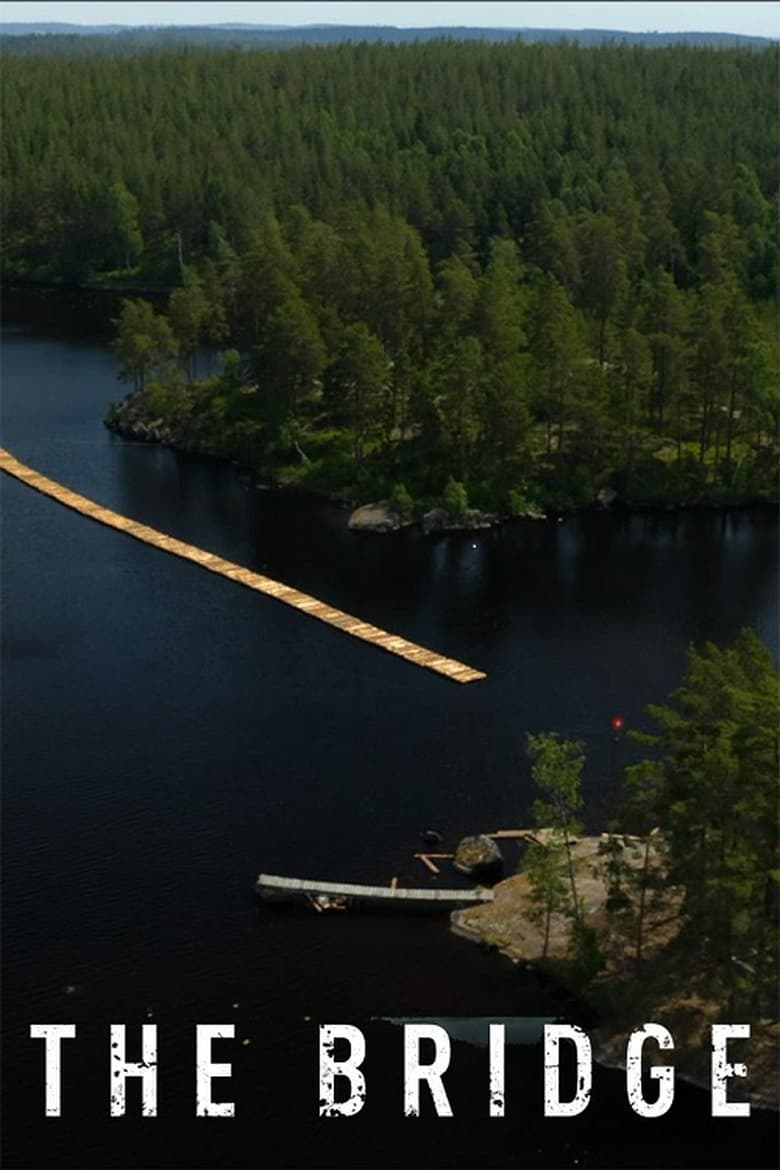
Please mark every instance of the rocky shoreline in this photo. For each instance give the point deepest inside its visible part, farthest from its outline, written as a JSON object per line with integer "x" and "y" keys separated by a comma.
{"x": 383, "y": 516}
{"x": 131, "y": 419}
{"x": 676, "y": 997}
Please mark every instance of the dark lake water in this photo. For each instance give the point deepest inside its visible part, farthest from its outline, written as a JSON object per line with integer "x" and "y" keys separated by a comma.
{"x": 167, "y": 735}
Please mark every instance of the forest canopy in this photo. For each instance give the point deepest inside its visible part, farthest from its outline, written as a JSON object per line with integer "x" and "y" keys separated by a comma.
{"x": 536, "y": 271}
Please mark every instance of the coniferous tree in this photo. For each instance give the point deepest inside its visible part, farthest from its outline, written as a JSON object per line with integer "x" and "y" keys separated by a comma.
{"x": 714, "y": 790}
{"x": 145, "y": 343}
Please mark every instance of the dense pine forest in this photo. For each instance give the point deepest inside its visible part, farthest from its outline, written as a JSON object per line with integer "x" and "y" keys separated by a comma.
{"x": 507, "y": 275}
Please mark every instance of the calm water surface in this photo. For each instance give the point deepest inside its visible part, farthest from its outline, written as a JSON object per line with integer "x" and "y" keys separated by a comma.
{"x": 168, "y": 734}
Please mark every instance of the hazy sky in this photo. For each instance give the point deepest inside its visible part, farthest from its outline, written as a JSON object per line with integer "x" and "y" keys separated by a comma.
{"x": 631, "y": 15}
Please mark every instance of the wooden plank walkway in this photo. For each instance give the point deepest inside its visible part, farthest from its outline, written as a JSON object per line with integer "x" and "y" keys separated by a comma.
{"x": 273, "y": 884}
{"x": 512, "y": 834}
{"x": 418, "y": 655}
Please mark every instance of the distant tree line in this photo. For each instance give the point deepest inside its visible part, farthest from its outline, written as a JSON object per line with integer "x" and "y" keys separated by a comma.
{"x": 537, "y": 271}
{"x": 69, "y": 40}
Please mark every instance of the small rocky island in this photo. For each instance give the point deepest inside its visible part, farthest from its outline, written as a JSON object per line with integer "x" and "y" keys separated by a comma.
{"x": 478, "y": 856}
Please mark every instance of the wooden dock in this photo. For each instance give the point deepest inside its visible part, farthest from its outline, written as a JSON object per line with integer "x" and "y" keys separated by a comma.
{"x": 418, "y": 655}
{"x": 272, "y": 886}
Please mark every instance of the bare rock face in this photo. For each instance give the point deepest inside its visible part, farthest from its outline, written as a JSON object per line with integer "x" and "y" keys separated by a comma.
{"x": 440, "y": 520}
{"x": 131, "y": 418}
{"x": 379, "y": 517}
{"x": 477, "y": 854}
{"x": 511, "y": 923}
{"x": 435, "y": 521}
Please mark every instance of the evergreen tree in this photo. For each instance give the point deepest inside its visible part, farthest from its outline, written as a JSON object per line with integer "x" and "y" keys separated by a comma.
{"x": 359, "y": 378}
{"x": 122, "y": 216}
{"x": 189, "y": 312}
{"x": 604, "y": 280}
{"x": 288, "y": 363}
{"x": 550, "y": 893}
{"x": 145, "y": 343}
{"x": 556, "y": 769}
{"x": 714, "y": 790}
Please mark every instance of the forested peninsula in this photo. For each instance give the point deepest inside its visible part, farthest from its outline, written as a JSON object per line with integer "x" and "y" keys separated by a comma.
{"x": 508, "y": 276}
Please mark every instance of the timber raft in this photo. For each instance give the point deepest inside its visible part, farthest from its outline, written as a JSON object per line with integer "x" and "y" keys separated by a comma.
{"x": 418, "y": 655}
{"x": 271, "y": 886}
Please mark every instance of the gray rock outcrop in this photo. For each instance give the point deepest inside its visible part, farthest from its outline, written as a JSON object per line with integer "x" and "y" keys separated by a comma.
{"x": 440, "y": 520}
{"x": 379, "y": 517}
{"x": 477, "y": 854}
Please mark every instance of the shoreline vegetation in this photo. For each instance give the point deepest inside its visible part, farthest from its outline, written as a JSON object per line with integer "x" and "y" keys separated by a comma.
{"x": 498, "y": 279}
{"x": 136, "y": 417}
{"x": 676, "y": 925}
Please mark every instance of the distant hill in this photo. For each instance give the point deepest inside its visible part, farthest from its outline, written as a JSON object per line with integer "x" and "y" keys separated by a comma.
{"x": 61, "y": 39}
{"x": 57, "y": 27}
